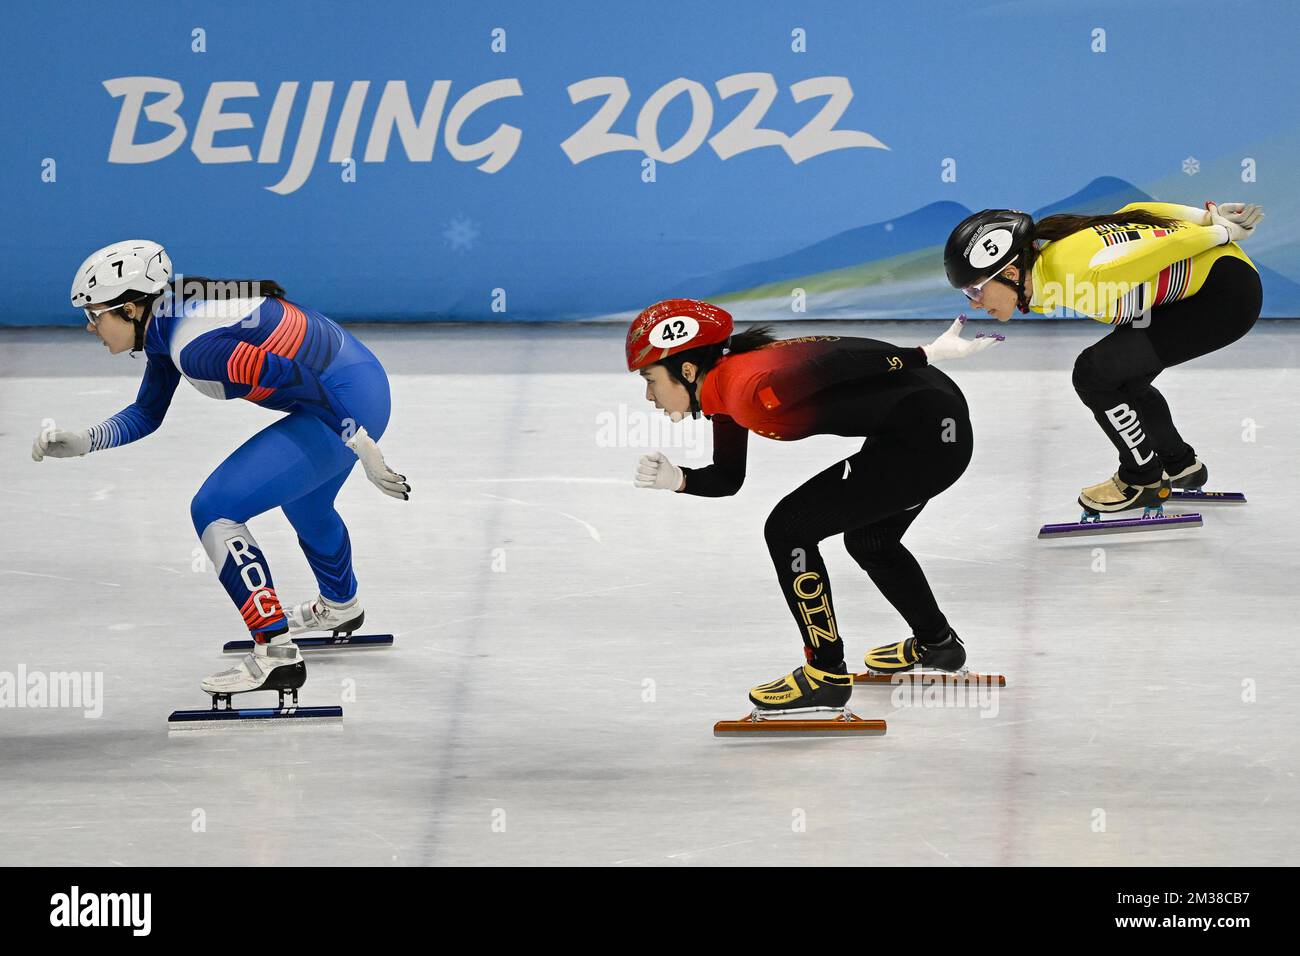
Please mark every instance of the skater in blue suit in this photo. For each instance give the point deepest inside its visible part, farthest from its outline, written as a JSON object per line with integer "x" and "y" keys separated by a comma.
{"x": 246, "y": 340}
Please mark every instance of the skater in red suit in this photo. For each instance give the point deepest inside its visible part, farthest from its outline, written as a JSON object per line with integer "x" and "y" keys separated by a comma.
{"x": 918, "y": 442}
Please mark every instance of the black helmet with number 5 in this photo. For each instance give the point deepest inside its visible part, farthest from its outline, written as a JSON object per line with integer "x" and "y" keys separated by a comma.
{"x": 984, "y": 244}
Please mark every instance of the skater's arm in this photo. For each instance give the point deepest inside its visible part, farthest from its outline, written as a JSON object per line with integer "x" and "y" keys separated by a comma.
{"x": 727, "y": 473}
{"x": 1192, "y": 214}
{"x": 845, "y": 360}
{"x": 1142, "y": 259}
{"x": 255, "y": 373}
{"x": 223, "y": 356}
{"x": 143, "y": 416}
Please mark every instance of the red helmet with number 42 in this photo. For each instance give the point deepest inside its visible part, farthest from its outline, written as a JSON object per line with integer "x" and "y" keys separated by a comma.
{"x": 672, "y": 326}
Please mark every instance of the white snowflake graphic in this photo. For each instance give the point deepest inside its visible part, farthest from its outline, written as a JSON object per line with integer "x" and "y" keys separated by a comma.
{"x": 461, "y": 234}
{"x": 1191, "y": 165}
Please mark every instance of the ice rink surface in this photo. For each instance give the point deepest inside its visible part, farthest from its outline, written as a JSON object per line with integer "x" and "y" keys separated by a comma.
{"x": 565, "y": 641}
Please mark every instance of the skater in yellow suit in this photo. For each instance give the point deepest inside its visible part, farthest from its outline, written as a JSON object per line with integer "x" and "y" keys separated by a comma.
{"x": 1172, "y": 280}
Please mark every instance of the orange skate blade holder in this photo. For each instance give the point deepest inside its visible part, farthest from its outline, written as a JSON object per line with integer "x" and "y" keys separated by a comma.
{"x": 927, "y": 678}
{"x": 776, "y": 723}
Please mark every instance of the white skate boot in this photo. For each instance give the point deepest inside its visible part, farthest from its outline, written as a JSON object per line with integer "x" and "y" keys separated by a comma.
{"x": 322, "y": 614}
{"x": 273, "y": 666}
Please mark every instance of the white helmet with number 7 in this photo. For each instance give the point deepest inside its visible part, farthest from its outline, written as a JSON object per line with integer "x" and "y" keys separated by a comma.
{"x": 132, "y": 265}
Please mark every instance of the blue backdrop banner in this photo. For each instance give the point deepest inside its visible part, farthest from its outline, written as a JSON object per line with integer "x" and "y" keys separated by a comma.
{"x": 415, "y": 160}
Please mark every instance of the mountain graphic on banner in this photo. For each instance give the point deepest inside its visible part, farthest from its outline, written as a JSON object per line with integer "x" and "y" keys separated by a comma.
{"x": 894, "y": 269}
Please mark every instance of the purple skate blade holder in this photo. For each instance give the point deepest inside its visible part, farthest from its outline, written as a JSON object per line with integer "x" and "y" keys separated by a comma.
{"x": 1208, "y": 497}
{"x": 1079, "y": 528}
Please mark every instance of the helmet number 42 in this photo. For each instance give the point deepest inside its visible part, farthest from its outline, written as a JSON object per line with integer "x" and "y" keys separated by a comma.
{"x": 674, "y": 331}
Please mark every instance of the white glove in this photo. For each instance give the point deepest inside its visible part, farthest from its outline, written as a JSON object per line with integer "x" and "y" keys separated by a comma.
{"x": 951, "y": 345}
{"x": 1239, "y": 219}
{"x": 656, "y": 471}
{"x": 380, "y": 475}
{"x": 1247, "y": 214}
{"x": 60, "y": 443}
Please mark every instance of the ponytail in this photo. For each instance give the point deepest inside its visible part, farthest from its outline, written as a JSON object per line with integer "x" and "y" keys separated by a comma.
{"x": 218, "y": 290}
{"x": 707, "y": 356}
{"x": 1064, "y": 224}
{"x": 185, "y": 288}
{"x": 1060, "y": 225}
{"x": 754, "y": 337}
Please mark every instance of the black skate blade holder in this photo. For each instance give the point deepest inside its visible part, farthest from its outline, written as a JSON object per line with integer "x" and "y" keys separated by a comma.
{"x": 333, "y": 642}
{"x": 218, "y": 698}
{"x": 288, "y": 713}
{"x": 928, "y": 677}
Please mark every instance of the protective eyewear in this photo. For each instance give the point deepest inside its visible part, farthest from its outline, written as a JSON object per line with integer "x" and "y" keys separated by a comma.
{"x": 976, "y": 292}
{"x": 93, "y": 314}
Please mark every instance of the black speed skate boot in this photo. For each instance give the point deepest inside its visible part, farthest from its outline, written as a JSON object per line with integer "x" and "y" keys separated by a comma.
{"x": 274, "y": 665}
{"x": 1191, "y": 478}
{"x": 805, "y": 687}
{"x": 1115, "y": 494}
{"x": 948, "y": 654}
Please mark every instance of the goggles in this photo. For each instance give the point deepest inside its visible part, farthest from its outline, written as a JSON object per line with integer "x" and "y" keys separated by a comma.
{"x": 976, "y": 292}
{"x": 93, "y": 314}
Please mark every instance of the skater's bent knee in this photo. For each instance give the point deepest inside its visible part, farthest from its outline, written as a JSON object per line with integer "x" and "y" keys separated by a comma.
{"x": 203, "y": 510}
{"x": 784, "y": 530}
{"x": 208, "y": 506}
{"x": 1087, "y": 374}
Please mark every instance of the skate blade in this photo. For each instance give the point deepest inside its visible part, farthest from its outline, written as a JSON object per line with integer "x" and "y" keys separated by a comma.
{"x": 344, "y": 642}
{"x": 1119, "y": 525}
{"x": 778, "y": 723}
{"x": 287, "y": 716}
{"x": 929, "y": 677}
{"x": 1208, "y": 497}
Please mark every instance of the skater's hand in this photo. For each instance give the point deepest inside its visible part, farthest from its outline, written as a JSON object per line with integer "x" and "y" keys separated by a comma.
{"x": 951, "y": 345}
{"x": 1239, "y": 219}
{"x": 60, "y": 443}
{"x": 1246, "y": 214}
{"x": 656, "y": 471}
{"x": 377, "y": 470}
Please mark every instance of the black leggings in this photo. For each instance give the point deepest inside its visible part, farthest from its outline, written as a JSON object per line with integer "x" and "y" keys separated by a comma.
{"x": 872, "y": 497}
{"x": 1113, "y": 377}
